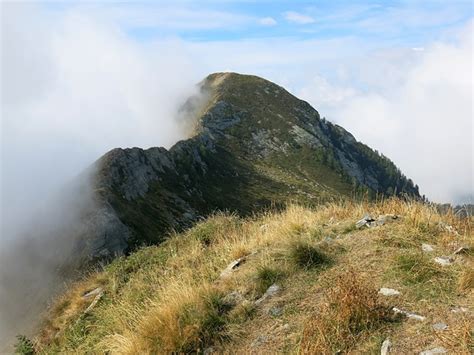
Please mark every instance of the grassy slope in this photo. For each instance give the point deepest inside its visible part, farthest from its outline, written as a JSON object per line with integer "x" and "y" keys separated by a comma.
{"x": 171, "y": 298}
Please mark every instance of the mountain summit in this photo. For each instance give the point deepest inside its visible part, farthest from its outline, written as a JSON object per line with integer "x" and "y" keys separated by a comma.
{"x": 252, "y": 145}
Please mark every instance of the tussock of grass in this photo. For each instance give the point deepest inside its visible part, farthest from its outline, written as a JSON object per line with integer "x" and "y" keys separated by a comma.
{"x": 459, "y": 336}
{"x": 171, "y": 298}
{"x": 185, "y": 323}
{"x": 351, "y": 308}
{"x": 267, "y": 276}
{"x": 307, "y": 256}
{"x": 466, "y": 280}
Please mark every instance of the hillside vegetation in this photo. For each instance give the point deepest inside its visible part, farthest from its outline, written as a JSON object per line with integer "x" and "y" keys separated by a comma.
{"x": 300, "y": 280}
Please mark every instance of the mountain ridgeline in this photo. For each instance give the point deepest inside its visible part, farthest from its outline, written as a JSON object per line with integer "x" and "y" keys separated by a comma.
{"x": 252, "y": 145}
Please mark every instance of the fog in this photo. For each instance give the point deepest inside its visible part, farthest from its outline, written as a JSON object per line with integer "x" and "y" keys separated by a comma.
{"x": 72, "y": 89}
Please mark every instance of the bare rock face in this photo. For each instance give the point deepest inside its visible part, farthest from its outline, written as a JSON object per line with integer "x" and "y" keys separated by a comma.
{"x": 103, "y": 235}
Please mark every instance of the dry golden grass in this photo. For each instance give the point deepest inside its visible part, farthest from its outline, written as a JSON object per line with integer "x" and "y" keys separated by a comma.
{"x": 170, "y": 298}
{"x": 460, "y": 337}
{"x": 466, "y": 279}
{"x": 350, "y": 310}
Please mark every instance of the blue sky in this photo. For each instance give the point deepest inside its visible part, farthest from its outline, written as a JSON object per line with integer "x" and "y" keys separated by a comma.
{"x": 389, "y": 22}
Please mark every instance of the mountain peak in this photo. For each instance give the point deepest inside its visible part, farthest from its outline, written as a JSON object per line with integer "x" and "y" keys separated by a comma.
{"x": 254, "y": 145}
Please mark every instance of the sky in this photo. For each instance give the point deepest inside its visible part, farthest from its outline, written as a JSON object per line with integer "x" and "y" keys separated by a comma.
{"x": 81, "y": 78}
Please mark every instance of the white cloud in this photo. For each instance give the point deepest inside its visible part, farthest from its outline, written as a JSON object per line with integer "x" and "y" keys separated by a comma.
{"x": 267, "y": 21}
{"x": 296, "y": 17}
{"x": 74, "y": 88}
{"x": 422, "y": 119}
{"x": 173, "y": 16}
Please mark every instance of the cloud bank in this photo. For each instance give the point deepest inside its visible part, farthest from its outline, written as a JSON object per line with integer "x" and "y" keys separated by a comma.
{"x": 72, "y": 89}
{"x": 417, "y": 110}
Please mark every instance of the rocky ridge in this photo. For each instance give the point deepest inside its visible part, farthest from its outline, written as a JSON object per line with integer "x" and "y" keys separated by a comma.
{"x": 253, "y": 145}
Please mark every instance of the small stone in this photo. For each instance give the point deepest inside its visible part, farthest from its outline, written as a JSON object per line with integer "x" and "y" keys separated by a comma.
{"x": 408, "y": 314}
{"x": 388, "y": 292}
{"x": 439, "y": 350}
{"x": 231, "y": 267}
{"x": 365, "y": 221}
{"x": 427, "y": 248}
{"x": 261, "y": 339}
{"x": 461, "y": 250}
{"x": 275, "y": 311}
{"x": 440, "y": 326}
{"x": 459, "y": 310}
{"x": 97, "y": 298}
{"x": 444, "y": 260}
{"x": 386, "y": 345}
{"x": 270, "y": 292}
{"x": 94, "y": 292}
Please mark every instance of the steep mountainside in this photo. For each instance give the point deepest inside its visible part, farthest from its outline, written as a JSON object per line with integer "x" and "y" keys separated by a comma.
{"x": 253, "y": 144}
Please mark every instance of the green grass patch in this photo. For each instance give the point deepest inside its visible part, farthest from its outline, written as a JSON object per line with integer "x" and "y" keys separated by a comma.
{"x": 307, "y": 256}
{"x": 415, "y": 268}
{"x": 267, "y": 276}
{"x": 205, "y": 232}
{"x": 143, "y": 259}
{"x": 425, "y": 278}
{"x": 24, "y": 346}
